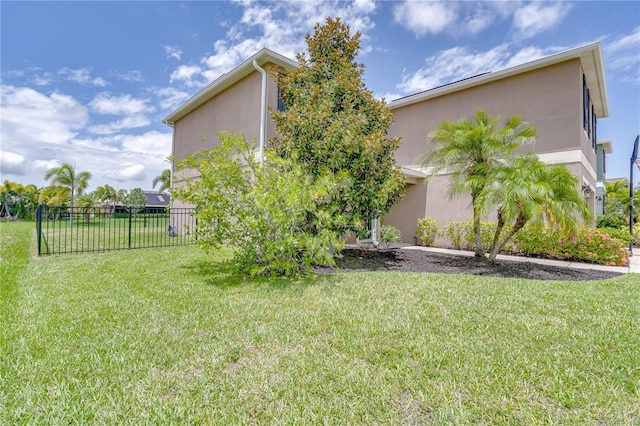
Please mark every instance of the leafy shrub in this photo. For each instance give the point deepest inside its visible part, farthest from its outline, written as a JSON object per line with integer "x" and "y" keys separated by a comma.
{"x": 275, "y": 216}
{"x": 595, "y": 246}
{"x": 487, "y": 231}
{"x": 591, "y": 245}
{"x": 620, "y": 233}
{"x": 427, "y": 231}
{"x": 536, "y": 241}
{"x": 388, "y": 235}
{"x": 455, "y": 232}
{"x": 636, "y": 234}
{"x": 610, "y": 221}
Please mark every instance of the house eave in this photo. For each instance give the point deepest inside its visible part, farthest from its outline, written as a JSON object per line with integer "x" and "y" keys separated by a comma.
{"x": 590, "y": 56}
{"x": 227, "y": 80}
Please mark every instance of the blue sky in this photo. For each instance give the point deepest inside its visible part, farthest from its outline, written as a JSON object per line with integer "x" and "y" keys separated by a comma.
{"x": 89, "y": 82}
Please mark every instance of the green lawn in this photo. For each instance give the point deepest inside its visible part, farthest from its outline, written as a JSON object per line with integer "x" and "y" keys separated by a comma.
{"x": 170, "y": 336}
{"x": 102, "y": 232}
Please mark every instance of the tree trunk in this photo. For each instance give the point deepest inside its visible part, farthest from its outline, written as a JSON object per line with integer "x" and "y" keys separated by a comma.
{"x": 521, "y": 221}
{"x": 476, "y": 231}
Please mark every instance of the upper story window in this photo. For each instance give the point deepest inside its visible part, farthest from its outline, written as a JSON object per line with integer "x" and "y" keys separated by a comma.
{"x": 594, "y": 121}
{"x": 281, "y": 104}
{"x": 588, "y": 113}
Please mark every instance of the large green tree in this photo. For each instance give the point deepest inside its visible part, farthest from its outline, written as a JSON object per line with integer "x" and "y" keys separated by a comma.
{"x": 333, "y": 126}
{"x": 470, "y": 151}
{"x": 66, "y": 176}
{"x": 525, "y": 190}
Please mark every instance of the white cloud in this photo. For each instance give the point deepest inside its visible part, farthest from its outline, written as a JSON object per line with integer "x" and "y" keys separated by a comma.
{"x": 42, "y": 80}
{"x": 534, "y": 18}
{"x": 186, "y": 73}
{"x": 12, "y": 163}
{"x": 277, "y": 25}
{"x": 152, "y": 142}
{"x": 127, "y": 172}
{"x": 421, "y": 17}
{"x": 81, "y": 76}
{"x": 100, "y": 82}
{"x": 623, "y": 56}
{"x": 29, "y": 116}
{"x": 173, "y": 52}
{"x": 131, "y": 76}
{"x": 44, "y": 165}
{"x": 128, "y": 122}
{"x": 447, "y": 66}
{"x": 169, "y": 97}
{"x": 106, "y": 103}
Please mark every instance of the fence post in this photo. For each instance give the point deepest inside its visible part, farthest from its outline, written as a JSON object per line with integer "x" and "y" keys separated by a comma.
{"x": 130, "y": 210}
{"x": 39, "y": 227}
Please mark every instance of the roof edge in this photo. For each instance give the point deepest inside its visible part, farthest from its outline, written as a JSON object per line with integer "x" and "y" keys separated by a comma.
{"x": 588, "y": 52}
{"x": 226, "y": 80}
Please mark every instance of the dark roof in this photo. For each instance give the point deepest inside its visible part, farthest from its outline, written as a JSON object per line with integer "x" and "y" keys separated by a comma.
{"x": 443, "y": 85}
{"x": 156, "y": 199}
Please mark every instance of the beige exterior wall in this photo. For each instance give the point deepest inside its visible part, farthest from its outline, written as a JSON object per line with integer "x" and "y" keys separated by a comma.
{"x": 549, "y": 98}
{"x": 236, "y": 109}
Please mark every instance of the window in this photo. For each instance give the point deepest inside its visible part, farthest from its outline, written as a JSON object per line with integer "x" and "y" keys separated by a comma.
{"x": 585, "y": 103}
{"x": 594, "y": 121}
{"x": 281, "y": 105}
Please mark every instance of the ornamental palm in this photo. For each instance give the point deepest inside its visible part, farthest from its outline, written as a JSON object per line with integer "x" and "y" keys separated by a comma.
{"x": 528, "y": 191}
{"x": 470, "y": 151}
{"x": 164, "y": 179}
{"x": 66, "y": 176}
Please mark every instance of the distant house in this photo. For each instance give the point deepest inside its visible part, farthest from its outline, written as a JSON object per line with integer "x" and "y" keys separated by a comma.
{"x": 561, "y": 95}
{"x": 157, "y": 202}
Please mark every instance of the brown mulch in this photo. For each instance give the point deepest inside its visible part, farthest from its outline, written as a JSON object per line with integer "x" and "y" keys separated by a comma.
{"x": 357, "y": 260}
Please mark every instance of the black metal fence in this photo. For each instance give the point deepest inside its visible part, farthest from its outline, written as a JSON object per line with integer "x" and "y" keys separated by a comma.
{"x": 62, "y": 230}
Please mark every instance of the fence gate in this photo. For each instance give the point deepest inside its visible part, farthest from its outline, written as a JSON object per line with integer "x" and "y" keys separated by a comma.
{"x": 79, "y": 230}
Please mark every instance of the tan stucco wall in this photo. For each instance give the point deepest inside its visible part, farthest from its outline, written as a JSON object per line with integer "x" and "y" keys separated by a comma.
{"x": 549, "y": 98}
{"x": 236, "y": 109}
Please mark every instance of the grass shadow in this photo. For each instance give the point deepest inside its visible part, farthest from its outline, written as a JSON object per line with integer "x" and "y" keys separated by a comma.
{"x": 224, "y": 275}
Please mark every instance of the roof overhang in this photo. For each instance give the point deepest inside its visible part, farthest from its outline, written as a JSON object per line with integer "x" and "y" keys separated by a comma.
{"x": 607, "y": 146}
{"x": 590, "y": 56}
{"x": 411, "y": 176}
{"x": 227, "y": 80}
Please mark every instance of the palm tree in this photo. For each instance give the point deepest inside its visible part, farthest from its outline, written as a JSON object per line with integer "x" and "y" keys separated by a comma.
{"x": 470, "y": 151}
{"x": 66, "y": 176}
{"x": 86, "y": 202}
{"x": 164, "y": 179}
{"x": 106, "y": 194}
{"x": 528, "y": 191}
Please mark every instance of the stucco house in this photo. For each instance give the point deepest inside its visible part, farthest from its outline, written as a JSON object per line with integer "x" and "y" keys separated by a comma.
{"x": 562, "y": 96}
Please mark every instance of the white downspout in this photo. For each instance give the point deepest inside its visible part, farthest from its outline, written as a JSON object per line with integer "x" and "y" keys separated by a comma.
{"x": 263, "y": 107}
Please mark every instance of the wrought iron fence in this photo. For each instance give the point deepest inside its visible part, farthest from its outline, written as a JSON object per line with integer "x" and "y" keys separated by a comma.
{"x": 62, "y": 230}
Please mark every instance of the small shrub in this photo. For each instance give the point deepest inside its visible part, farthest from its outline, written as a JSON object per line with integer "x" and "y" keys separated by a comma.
{"x": 536, "y": 241}
{"x": 487, "y": 231}
{"x": 590, "y": 245}
{"x": 455, "y": 232}
{"x": 636, "y": 234}
{"x": 595, "y": 246}
{"x": 610, "y": 221}
{"x": 427, "y": 231}
{"x": 620, "y": 233}
{"x": 388, "y": 235}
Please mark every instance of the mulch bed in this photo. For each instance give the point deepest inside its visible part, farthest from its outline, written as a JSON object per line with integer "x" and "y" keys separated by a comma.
{"x": 359, "y": 260}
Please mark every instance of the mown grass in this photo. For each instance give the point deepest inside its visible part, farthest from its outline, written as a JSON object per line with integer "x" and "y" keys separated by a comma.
{"x": 102, "y": 233}
{"x": 172, "y": 336}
